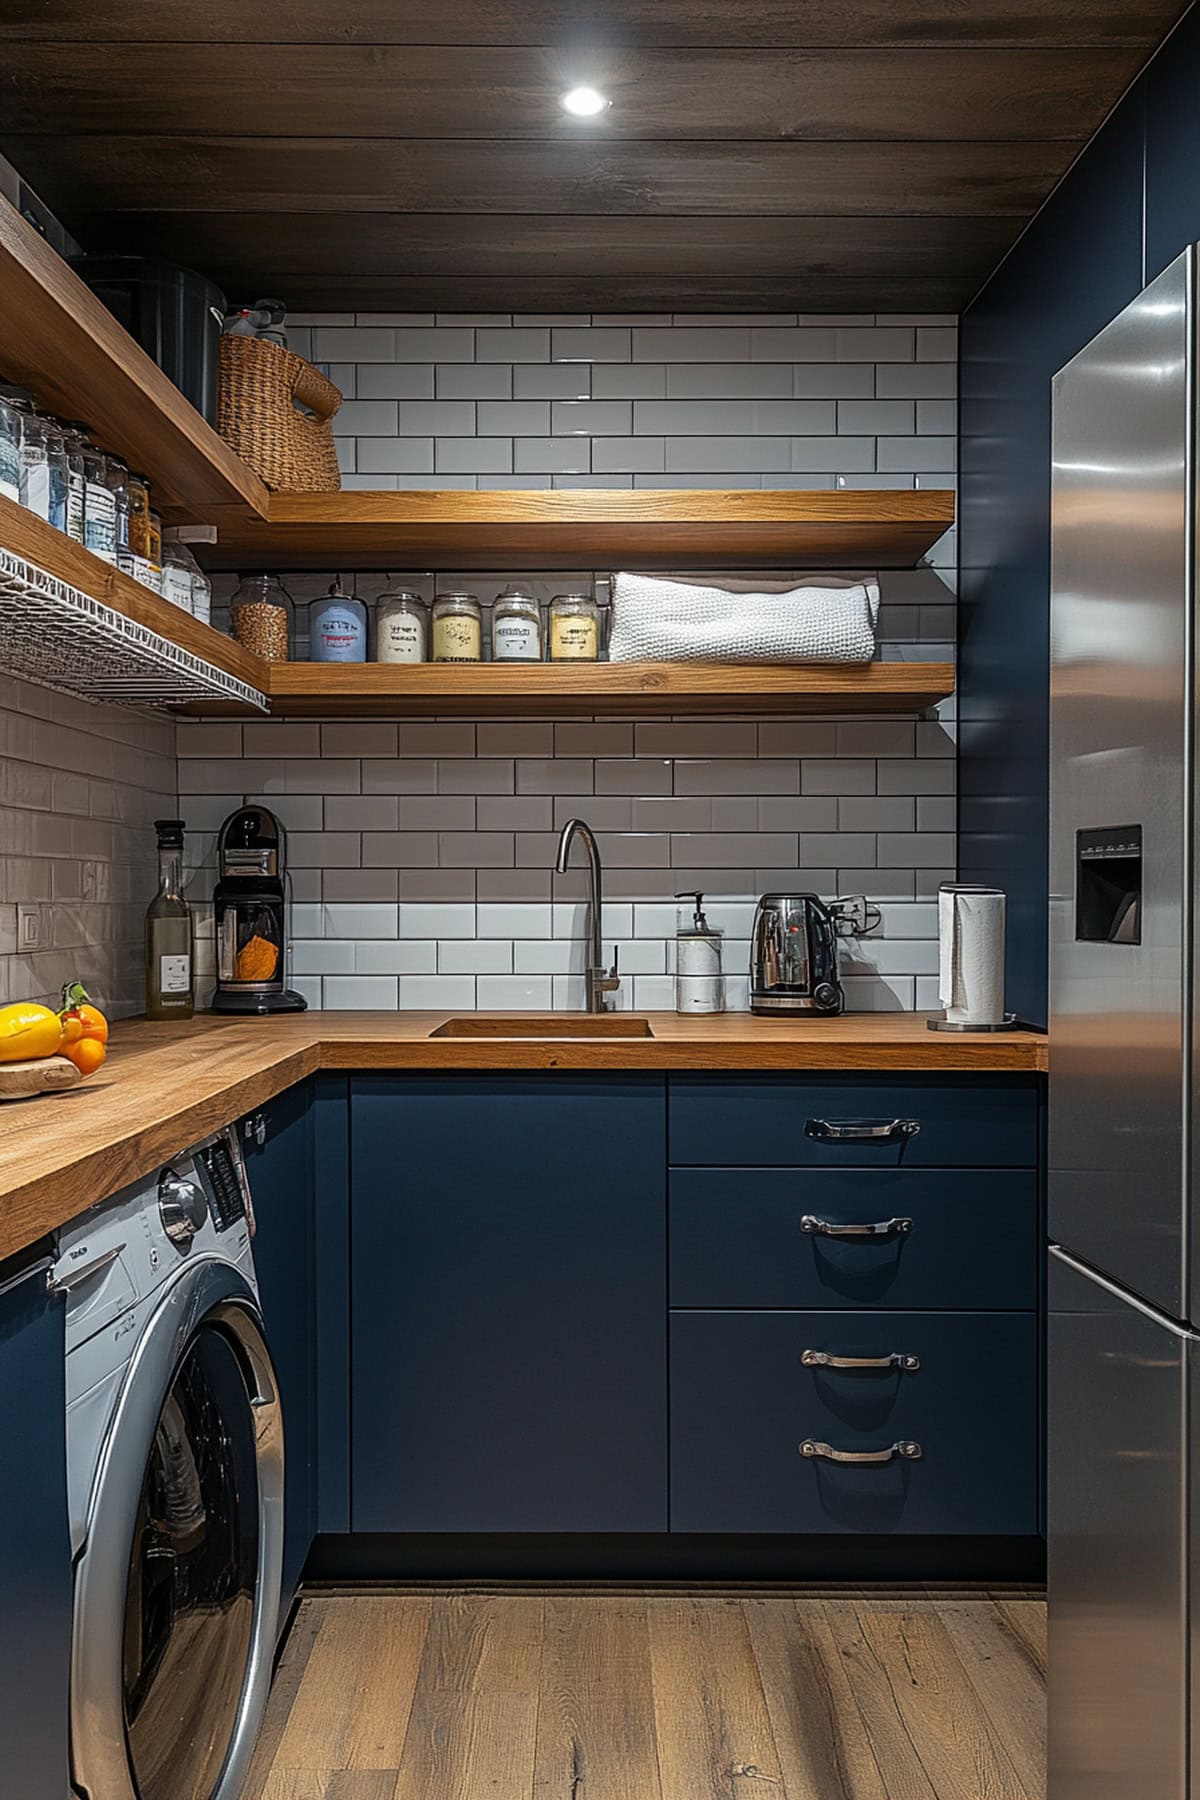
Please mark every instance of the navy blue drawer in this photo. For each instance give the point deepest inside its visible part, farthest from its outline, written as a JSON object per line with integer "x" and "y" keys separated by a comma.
{"x": 753, "y": 1237}
{"x": 743, "y": 1401}
{"x": 827, "y": 1121}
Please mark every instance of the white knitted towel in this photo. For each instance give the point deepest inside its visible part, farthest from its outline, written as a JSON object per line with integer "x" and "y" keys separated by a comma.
{"x": 657, "y": 620}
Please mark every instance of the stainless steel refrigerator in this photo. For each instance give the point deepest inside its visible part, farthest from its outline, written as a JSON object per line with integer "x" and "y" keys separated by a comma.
{"x": 1123, "y": 1430}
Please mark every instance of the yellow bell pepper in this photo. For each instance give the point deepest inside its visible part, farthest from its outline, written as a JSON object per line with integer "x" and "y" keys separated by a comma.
{"x": 28, "y": 1030}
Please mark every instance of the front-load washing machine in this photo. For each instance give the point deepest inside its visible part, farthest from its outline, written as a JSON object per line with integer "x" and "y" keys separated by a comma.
{"x": 175, "y": 1484}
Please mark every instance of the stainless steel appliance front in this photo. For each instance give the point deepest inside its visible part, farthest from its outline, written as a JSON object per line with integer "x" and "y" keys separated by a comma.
{"x": 1120, "y": 793}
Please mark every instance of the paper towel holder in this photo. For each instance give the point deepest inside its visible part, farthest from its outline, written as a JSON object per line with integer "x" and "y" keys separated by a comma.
{"x": 1008, "y": 1020}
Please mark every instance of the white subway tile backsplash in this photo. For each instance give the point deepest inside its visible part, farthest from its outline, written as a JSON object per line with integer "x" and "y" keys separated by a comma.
{"x": 591, "y": 418}
{"x": 396, "y": 381}
{"x": 475, "y": 956}
{"x": 525, "y": 344}
{"x": 397, "y": 956}
{"x": 552, "y": 381}
{"x": 554, "y": 456}
{"x": 451, "y": 920}
{"x": 515, "y": 993}
{"x": 591, "y": 343}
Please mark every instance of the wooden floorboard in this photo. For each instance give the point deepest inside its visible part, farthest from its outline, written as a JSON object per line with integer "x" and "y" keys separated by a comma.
{"x": 619, "y": 1692}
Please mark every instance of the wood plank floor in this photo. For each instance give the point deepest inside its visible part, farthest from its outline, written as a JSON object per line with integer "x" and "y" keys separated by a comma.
{"x": 481, "y": 1693}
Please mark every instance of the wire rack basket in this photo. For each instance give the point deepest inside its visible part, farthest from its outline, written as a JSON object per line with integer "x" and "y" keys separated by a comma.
{"x": 60, "y": 637}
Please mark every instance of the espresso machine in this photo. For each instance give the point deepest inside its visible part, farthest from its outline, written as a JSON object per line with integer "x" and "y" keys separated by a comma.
{"x": 251, "y": 903}
{"x": 794, "y": 952}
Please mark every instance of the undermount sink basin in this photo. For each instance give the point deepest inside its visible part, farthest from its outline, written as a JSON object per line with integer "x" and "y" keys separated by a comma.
{"x": 545, "y": 1025}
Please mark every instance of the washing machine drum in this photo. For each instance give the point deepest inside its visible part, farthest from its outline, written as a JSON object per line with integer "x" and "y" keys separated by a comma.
{"x": 177, "y": 1587}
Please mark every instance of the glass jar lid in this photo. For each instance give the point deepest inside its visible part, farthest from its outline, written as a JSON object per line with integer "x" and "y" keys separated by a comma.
{"x": 456, "y": 602}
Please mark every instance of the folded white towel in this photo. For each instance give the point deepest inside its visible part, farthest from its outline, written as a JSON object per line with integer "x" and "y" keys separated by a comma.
{"x": 659, "y": 620}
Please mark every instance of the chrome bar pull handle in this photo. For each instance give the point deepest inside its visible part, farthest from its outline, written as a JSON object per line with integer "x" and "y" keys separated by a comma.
{"x": 906, "y": 1449}
{"x": 815, "y": 1227}
{"x": 822, "y": 1359}
{"x": 860, "y": 1131}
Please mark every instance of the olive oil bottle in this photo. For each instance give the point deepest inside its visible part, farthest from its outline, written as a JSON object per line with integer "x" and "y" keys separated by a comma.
{"x": 169, "y": 960}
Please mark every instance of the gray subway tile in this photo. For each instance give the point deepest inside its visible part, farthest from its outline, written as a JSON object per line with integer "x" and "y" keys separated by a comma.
{"x": 835, "y": 454}
{"x": 883, "y": 343}
{"x": 591, "y": 418}
{"x": 749, "y": 454}
{"x": 794, "y": 344}
{"x": 728, "y": 381}
{"x": 515, "y": 418}
{"x": 917, "y": 455}
{"x": 522, "y": 344}
{"x": 734, "y": 417}
{"x": 555, "y": 456}
{"x": 916, "y": 381}
{"x": 474, "y": 381}
{"x": 552, "y": 381}
{"x": 875, "y": 416}
{"x": 366, "y": 418}
{"x": 394, "y": 381}
{"x": 628, "y": 455}
{"x": 417, "y": 345}
{"x": 934, "y": 416}
{"x": 470, "y": 455}
{"x": 699, "y": 344}
{"x": 937, "y": 343}
{"x": 352, "y": 343}
{"x": 589, "y": 343}
{"x": 396, "y": 455}
{"x": 625, "y": 381}
{"x": 833, "y": 381}
{"x": 438, "y": 418}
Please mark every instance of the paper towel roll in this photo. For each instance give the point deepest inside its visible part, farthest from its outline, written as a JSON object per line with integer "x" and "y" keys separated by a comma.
{"x": 971, "y": 953}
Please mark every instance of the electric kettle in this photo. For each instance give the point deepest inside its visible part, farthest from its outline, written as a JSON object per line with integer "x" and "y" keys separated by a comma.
{"x": 793, "y": 956}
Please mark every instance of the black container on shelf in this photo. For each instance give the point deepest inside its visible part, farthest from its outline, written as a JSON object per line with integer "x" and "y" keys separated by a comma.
{"x": 173, "y": 313}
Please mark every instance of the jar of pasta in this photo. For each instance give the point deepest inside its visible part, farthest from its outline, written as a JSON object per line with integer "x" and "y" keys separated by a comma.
{"x": 574, "y": 628}
{"x": 457, "y": 628}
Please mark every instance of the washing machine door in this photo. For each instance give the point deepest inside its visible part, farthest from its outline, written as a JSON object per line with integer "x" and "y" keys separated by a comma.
{"x": 177, "y": 1586}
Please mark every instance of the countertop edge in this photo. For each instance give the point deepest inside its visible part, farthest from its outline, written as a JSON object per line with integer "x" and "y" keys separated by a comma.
{"x": 209, "y": 1061}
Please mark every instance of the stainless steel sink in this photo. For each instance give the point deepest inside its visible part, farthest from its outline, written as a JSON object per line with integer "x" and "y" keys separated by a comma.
{"x": 544, "y": 1025}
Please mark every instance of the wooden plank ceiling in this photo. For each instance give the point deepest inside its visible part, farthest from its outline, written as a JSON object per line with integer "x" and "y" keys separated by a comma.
{"x": 767, "y": 155}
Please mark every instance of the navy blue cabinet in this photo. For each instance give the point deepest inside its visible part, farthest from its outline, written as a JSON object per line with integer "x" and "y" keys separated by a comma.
{"x": 281, "y": 1171}
{"x": 938, "y": 1238}
{"x": 508, "y": 1303}
{"x": 35, "y": 1546}
{"x": 840, "y": 1121}
{"x": 943, "y": 1404}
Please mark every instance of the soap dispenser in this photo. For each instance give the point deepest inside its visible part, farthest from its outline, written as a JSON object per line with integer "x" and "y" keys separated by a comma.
{"x": 699, "y": 983}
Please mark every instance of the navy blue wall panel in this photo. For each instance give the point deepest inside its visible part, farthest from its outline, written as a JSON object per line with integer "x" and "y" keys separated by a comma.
{"x": 1172, "y": 86}
{"x": 1079, "y": 263}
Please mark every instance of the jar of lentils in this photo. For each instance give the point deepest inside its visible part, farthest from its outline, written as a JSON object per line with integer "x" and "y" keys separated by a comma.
{"x": 260, "y": 616}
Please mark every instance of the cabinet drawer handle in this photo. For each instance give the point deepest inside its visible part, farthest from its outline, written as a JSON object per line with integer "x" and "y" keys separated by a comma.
{"x": 821, "y": 1359}
{"x": 905, "y": 1448}
{"x": 881, "y": 1228}
{"x": 860, "y": 1131}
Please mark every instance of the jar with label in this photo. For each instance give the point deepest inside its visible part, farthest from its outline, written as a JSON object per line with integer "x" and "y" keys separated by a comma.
{"x": 155, "y": 550}
{"x": 337, "y": 628}
{"x": 139, "y": 515}
{"x": 574, "y": 628}
{"x": 201, "y": 594}
{"x": 99, "y": 506}
{"x": 178, "y": 569}
{"x": 516, "y": 627}
{"x": 118, "y": 481}
{"x": 10, "y": 447}
{"x": 260, "y": 617}
{"x": 401, "y": 627}
{"x": 74, "y": 439}
{"x": 457, "y": 628}
{"x": 41, "y": 448}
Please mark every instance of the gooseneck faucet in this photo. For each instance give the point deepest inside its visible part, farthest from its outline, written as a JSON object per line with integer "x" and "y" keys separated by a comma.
{"x": 600, "y": 981}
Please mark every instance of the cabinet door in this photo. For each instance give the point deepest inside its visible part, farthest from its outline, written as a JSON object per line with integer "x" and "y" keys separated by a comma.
{"x": 281, "y": 1184}
{"x": 509, "y": 1322}
{"x": 35, "y": 1547}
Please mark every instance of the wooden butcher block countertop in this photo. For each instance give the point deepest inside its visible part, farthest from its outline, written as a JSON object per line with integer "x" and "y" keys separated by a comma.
{"x": 165, "y": 1086}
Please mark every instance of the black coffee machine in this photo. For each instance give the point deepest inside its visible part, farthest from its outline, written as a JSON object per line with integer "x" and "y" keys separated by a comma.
{"x": 251, "y": 902}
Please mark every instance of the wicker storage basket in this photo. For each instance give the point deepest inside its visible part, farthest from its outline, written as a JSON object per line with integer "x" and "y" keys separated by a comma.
{"x": 260, "y": 385}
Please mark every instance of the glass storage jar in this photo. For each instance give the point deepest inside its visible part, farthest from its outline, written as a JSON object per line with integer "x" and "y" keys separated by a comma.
{"x": 10, "y": 448}
{"x": 99, "y": 506}
{"x": 457, "y": 628}
{"x": 337, "y": 628}
{"x": 401, "y": 627}
{"x": 574, "y": 628}
{"x": 260, "y": 616}
{"x": 74, "y": 439}
{"x": 516, "y": 627}
{"x": 118, "y": 482}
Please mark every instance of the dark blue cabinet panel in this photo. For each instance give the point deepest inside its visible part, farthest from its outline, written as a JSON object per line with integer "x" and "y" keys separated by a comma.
{"x": 35, "y": 1546}
{"x": 967, "y": 1121}
{"x": 1173, "y": 148}
{"x": 743, "y": 1401}
{"x": 737, "y": 1238}
{"x": 331, "y": 1153}
{"x": 508, "y": 1263}
{"x": 281, "y": 1183}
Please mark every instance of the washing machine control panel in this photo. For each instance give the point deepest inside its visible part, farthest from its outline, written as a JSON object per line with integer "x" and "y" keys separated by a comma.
{"x": 225, "y": 1178}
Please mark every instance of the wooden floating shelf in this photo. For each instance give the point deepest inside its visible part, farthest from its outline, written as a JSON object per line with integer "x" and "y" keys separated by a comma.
{"x": 62, "y": 342}
{"x": 389, "y": 690}
{"x": 392, "y": 690}
{"x": 524, "y": 530}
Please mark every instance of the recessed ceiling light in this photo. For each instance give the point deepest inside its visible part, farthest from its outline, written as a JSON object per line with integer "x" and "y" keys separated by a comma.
{"x": 585, "y": 102}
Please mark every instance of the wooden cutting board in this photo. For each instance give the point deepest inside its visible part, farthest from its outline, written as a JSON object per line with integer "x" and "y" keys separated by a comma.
{"x": 44, "y": 1075}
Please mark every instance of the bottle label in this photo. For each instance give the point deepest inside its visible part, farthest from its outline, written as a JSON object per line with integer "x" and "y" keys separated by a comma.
{"x": 456, "y": 638}
{"x": 174, "y": 974}
{"x": 573, "y": 639}
{"x": 401, "y": 638}
{"x": 338, "y": 636}
{"x": 35, "y": 480}
{"x": 177, "y": 586}
{"x": 201, "y": 599}
{"x": 100, "y": 521}
{"x": 75, "y": 506}
{"x": 515, "y": 640}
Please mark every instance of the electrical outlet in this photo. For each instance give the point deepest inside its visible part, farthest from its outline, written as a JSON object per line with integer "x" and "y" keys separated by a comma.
{"x": 29, "y": 927}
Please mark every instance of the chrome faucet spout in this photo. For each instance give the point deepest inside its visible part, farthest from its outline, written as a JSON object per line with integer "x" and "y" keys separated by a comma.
{"x": 600, "y": 981}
